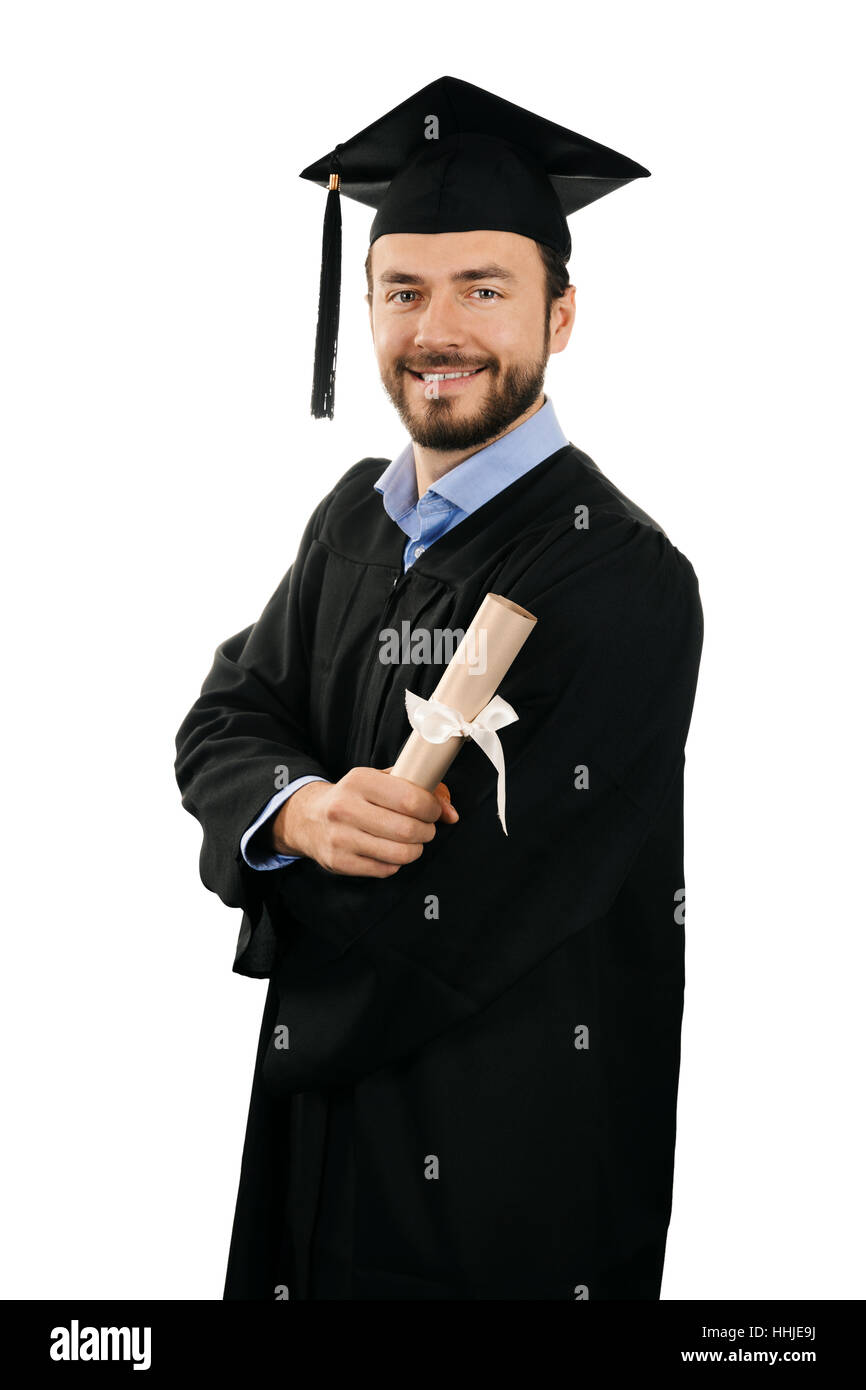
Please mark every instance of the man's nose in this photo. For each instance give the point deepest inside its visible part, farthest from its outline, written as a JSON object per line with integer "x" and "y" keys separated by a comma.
{"x": 437, "y": 328}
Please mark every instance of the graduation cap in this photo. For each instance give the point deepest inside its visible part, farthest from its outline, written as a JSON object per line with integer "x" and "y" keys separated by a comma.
{"x": 454, "y": 158}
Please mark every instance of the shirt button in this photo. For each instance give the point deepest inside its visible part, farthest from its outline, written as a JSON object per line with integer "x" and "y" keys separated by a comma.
{"x": 419, "y": 550}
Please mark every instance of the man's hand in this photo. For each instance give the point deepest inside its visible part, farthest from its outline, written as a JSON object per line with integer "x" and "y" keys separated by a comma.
{"x": 368, "y": 824}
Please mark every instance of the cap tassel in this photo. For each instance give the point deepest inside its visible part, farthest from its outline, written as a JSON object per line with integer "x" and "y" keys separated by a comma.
{"x": 325, "y": 362}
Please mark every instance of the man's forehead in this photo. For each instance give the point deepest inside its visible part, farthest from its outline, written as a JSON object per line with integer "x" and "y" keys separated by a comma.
{"x": 445, "y": 254}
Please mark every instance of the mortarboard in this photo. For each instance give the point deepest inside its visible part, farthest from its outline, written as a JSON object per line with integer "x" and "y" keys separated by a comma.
{"x": 454, "y": 158}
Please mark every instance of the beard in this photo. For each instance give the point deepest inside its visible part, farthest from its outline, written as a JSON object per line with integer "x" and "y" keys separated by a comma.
{"x": 443, "y": 422}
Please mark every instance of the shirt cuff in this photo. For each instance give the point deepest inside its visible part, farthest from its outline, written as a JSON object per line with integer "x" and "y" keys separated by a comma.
{"x": 273, "y": 860}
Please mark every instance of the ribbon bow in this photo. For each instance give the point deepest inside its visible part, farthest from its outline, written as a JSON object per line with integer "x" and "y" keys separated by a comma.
{"x": 437, "y": 723}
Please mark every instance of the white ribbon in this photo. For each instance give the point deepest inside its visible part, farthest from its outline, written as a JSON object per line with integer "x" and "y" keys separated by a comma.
{"x": 437, "y": 723}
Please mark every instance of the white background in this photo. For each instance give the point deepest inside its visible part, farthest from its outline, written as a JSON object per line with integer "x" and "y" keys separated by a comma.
{"x": 159, "y": 279}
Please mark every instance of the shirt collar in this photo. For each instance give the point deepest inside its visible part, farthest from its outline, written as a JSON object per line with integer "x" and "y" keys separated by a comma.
{"x": 474, "y": 481}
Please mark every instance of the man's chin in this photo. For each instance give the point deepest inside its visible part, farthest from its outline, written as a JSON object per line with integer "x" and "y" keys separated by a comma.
{"x": 441, "y": 423}
{"x": 445, "y": 425}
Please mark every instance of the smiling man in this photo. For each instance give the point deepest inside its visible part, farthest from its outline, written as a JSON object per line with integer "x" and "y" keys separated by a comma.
{"x": 463, "y": 328}
{"x": 466, "y": 1079}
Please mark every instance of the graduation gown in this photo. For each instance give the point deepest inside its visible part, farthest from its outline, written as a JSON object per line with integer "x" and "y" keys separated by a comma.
{"x": 466, "y": 1077}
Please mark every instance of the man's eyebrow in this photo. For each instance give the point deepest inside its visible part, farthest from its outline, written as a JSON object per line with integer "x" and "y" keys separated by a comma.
{"x": 484, "y": 272}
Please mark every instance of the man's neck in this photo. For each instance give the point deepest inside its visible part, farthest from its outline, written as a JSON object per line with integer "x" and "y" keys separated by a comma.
{"x": 433, "y": 464}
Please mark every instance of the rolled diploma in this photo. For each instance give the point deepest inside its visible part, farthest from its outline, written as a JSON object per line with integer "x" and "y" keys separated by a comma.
{"x": 465, "y": 688}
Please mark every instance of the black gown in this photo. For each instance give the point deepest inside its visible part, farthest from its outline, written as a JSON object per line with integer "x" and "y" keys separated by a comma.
{"x": 478, "y": 1096}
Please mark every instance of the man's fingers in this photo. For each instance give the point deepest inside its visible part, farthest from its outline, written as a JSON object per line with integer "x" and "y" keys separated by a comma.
{"x": 371, "y": 823}
{"x": 379, "y": 788}
{"x": 360, "y": 845}
{"x": 357, "y": 866}
{"x": 394, "y": 793}
{"x": 443, "y": 796}
{"x": 354, "y": 810}
{"x": 449, "y": 812}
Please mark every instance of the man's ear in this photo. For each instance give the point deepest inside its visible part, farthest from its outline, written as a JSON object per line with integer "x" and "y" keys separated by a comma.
{"x": 562, "y": 316}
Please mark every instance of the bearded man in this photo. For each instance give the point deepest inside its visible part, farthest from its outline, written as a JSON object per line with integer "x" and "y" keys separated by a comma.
{"x": 466, "y": 1079}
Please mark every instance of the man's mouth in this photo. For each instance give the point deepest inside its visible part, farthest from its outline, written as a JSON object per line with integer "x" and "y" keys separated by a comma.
{"x": 445, "y": 376}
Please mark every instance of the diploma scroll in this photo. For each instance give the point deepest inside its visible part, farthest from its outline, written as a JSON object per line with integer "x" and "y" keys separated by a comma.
{"x": 466, "y": 691}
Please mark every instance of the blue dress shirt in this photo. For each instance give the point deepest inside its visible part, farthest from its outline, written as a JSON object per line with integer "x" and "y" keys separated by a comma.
{"x": 445, "y": 504}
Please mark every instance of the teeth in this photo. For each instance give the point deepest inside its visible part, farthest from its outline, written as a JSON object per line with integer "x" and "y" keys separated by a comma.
{"x": 447, "y": 376}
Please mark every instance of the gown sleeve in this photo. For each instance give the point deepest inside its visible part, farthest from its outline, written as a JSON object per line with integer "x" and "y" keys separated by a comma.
{"x": 366, "y": 973}
{"x": 247, "y": 734}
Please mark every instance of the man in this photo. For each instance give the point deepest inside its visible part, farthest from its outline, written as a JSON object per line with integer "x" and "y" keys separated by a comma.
{"x": 466, "y": 1079}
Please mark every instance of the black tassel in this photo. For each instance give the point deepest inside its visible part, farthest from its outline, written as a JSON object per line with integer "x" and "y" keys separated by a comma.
{"x": 325, "y": 362}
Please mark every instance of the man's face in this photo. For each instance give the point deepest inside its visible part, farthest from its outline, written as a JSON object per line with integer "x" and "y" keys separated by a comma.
{"x": 472, "y": 303}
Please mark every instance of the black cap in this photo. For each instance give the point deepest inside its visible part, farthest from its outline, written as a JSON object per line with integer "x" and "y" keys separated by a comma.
{"x": 455, "y": 158}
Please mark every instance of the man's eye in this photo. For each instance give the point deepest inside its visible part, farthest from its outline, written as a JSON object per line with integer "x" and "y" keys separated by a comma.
{"x": 409, "y": 296}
